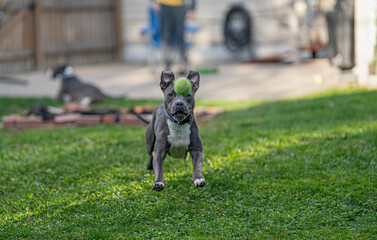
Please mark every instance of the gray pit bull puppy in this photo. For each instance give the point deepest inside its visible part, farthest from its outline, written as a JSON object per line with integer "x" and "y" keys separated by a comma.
{"x": 174, "y": 131}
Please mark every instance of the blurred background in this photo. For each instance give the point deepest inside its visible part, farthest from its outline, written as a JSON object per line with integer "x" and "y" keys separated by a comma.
{"x": 280, "y": 47}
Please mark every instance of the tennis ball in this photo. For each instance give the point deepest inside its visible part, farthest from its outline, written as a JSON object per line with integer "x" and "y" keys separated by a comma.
{"x": 182, "y": 86}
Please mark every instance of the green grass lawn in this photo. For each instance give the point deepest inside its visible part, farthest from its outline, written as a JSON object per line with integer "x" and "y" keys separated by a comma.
{"x": 300, "y": 168}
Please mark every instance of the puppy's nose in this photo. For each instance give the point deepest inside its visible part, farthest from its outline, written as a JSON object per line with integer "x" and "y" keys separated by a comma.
{"x": 179, "y": 104}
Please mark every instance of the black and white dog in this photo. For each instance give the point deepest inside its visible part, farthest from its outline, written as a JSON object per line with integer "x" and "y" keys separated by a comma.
{"x": 72, "y": 88}
{"x": 174, "y": 131}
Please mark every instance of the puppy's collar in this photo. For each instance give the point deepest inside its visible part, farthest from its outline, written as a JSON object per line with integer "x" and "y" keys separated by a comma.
{"x": 68, "y": 73}
{"x": 184, "y": 121}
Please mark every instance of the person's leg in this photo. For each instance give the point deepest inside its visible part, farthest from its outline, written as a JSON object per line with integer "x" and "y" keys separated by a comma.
{"x": 180, "y": 22}
{"x": 167, "y": 29}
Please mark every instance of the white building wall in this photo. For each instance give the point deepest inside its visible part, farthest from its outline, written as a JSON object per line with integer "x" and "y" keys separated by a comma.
{"x": 365, "y": 39}
{"x": 273, "y": 25}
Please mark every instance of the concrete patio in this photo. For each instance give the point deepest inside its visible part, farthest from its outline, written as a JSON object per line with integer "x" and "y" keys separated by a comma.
{"x": 234, "y": 81}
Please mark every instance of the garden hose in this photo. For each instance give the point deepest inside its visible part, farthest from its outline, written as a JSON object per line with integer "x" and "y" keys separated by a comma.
{"x": 237, "y": 28}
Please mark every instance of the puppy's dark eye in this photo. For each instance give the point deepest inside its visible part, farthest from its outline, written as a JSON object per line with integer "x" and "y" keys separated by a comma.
{"x": 188, "y": 95}
{"x": 171, "y": 94}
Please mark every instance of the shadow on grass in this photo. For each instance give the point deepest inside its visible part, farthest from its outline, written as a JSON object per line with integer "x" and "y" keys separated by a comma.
{"x": 290, "y": 168}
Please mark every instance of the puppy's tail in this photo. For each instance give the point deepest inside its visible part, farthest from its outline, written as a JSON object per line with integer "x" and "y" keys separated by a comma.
{"x": 140, "y": 117}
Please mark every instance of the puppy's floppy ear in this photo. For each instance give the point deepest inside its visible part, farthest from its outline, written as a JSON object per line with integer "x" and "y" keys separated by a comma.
{"x": 194, "y": 78}
{"x": 167, "y": 78}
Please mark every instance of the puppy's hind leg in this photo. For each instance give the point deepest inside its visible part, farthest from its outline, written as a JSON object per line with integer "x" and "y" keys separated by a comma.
{"x": 150, "y": 140}
{"x": 150, "y": 163}
{"x": 186, "y": 157}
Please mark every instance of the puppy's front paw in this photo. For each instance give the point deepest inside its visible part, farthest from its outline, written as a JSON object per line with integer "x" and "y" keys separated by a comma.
{"x": 158, "y": 186}
{"x": 200, "y": 182}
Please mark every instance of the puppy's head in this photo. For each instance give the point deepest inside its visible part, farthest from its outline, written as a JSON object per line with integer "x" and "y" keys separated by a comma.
{"x": 59, "y": 71}
{"x": 179, "y": 107}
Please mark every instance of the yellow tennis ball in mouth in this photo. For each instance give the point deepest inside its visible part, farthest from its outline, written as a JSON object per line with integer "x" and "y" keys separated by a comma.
{"x": 182, "y": 86}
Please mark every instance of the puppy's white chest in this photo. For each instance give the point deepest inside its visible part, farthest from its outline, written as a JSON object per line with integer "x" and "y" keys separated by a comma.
{"x": 179, "y": 139}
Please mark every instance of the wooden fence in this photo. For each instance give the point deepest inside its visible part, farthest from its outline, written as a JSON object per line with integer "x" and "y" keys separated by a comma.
{"x": 35, "y": 34}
